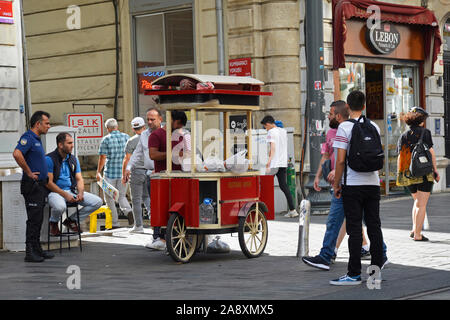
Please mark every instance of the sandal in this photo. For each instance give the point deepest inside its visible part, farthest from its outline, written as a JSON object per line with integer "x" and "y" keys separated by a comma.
{"x": 411, "y": 235}
{"x": 423, "y": 239}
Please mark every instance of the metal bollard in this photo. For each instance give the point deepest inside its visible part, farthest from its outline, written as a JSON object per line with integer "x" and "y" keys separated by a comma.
{"x": 303, "y": 229}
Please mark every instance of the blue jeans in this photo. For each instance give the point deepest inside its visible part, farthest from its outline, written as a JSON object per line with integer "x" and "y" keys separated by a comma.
{"x": 90, "y": 203}
{"x": 334, "y": 223}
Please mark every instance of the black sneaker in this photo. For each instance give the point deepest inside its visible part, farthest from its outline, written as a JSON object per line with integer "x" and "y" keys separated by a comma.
{"x": 317, "y": 262}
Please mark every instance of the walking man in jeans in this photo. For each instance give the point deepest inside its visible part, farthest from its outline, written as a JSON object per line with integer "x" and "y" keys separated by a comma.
{"x": 277, "y": 138}
{"x": 360, "y": 195}
{"x": 112, "y": 152}
{"x": 338, "y": 114}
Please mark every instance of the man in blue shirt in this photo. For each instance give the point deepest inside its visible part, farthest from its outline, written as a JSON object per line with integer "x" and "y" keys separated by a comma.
{"x": 30, "y": 156}
{"x": 67, "y": 186}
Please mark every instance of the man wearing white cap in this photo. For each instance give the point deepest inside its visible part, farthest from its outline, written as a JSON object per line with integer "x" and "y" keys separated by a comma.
{"x": 137, "y": 167}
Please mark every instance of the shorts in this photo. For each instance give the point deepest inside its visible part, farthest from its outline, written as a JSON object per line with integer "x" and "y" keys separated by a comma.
{"x": 425, "y": 186}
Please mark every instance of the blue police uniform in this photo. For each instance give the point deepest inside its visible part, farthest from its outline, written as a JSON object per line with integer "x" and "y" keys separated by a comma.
{"x": 34, "y": 191}
{"x": 31, "y": 147}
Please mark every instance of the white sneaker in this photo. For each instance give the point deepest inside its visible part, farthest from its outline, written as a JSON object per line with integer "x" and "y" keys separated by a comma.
{"x": 157, "y": 244}
{"x": 291, "y": 214}
{"x": 137, "y": 229}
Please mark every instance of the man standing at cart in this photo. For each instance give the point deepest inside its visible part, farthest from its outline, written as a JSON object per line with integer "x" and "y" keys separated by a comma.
{"x": 138, "y": 166}
{"x": 157, "y": 150}
{"x": 30, "y": 156}
{"x": 277, "y": 139}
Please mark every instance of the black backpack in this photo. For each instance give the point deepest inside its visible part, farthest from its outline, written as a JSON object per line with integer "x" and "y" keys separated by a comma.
{"x": 421, "y": 160}
{"x": 366, "y": 153}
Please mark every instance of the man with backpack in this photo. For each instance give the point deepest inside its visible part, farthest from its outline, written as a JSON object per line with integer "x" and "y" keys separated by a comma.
{"x": 359, "y": 157}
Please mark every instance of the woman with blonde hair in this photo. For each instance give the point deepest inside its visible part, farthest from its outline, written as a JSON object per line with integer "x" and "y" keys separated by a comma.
{"x": 419, "y": 187}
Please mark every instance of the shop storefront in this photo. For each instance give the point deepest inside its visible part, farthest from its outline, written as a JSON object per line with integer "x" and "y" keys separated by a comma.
{"x": 162, "y": 43}
{"x": 388, "y": 62}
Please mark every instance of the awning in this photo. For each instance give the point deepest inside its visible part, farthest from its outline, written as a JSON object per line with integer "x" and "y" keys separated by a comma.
{"x": 346, "y": 9}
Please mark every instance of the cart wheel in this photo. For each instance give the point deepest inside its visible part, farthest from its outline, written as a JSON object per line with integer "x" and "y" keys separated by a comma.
{"x": 180, "y": 244}
{"x": 253, "y": 233}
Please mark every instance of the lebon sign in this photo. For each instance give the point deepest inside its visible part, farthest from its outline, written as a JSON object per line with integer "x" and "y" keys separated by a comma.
{"x": 383, "y": 39}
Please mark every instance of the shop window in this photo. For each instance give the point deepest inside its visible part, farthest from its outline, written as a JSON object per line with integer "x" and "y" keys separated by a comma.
{"x": 391, "y": 90}
{"x": 179, "y": 38}
{"x": 351, "y": 78}
{"x": 164, "y": 44}
{"x": 399, "y": 96}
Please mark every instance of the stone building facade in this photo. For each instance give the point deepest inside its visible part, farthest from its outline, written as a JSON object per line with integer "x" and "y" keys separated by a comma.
{"x": 74, "y": 69}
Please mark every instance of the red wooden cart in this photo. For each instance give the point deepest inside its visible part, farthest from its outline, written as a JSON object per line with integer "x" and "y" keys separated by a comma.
{"x": 243, "y": 201}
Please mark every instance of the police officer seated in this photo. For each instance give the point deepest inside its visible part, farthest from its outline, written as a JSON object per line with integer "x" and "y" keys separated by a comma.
{"x": 66, "y": 186}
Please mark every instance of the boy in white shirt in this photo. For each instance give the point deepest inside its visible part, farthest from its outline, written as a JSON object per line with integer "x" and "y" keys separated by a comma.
{"x": 361, "y": 197}
{"x": 277, "y": 138}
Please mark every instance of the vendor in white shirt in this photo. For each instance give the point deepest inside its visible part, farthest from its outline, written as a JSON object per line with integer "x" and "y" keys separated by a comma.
{"x": 277, "y": 138}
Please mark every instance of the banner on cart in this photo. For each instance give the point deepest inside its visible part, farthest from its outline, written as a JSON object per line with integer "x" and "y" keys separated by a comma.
{"x": 90, "y": 131}
{"x": 6, "y": 12}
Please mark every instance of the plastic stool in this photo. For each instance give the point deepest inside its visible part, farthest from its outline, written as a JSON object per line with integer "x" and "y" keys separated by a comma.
{"x": 93, "y": 218}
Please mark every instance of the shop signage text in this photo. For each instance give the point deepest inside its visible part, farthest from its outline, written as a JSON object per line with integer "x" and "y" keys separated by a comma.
{"x": 383, "y": 40}
{"x": 146, "y": 78}
{"x": 240, "y": 67}
{"x": 90, "y": 131}
{"x": 6, "y": 12}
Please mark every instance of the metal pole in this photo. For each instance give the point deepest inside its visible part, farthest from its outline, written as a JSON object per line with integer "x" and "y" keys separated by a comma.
{"x": 220, "y": 58}
{"x": 220, "y": 37}
{"x": 315, "y": 102}
{"x": 303, "y": 229}
{"x": 26, "y": 76}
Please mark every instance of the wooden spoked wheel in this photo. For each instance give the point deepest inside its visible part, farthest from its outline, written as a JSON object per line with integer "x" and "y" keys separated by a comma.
{"x": 253, "y": 233}
{"x": 180, "y": 244}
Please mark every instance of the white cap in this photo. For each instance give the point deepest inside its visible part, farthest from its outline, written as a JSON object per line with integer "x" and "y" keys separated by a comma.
{"x": 137, "y": 122}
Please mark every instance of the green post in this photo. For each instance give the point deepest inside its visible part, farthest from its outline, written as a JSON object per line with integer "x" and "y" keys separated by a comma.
{"x": 291, "y": 180}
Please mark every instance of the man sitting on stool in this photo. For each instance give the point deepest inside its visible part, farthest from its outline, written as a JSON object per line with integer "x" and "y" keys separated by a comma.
{"x": 66, "y": 185}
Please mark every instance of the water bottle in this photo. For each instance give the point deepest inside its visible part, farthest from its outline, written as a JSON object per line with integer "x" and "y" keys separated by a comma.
{"x": 207, "y": 212}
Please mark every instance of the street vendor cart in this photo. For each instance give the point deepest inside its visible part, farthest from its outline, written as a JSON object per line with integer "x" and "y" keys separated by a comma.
{"x": 240, "y": 200}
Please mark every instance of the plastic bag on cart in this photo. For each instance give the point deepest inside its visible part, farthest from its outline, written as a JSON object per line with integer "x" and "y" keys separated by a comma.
{"x": 186, "y": 164}
{"x": 217, "y": 246}
{"x": 237, "y": 163}
{"x": 214, "y": 164}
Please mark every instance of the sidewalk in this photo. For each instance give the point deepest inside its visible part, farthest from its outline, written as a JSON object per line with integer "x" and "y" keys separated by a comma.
{"x": 120, "y": 267}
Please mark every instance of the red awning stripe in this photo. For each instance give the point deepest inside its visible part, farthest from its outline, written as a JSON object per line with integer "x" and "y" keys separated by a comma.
{"x": 346, "y": 9}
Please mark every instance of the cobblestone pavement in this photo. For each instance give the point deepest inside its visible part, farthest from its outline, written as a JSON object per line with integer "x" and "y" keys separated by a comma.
{"x": 120, "y": 267}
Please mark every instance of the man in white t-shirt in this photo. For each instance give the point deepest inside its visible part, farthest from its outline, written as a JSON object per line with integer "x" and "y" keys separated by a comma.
{"x": 360, "y": 193}
{"x": 277, "y": 138}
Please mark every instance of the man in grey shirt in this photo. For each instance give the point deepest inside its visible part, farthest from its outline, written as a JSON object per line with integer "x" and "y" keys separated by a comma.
{"x": 137, "y": 169}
